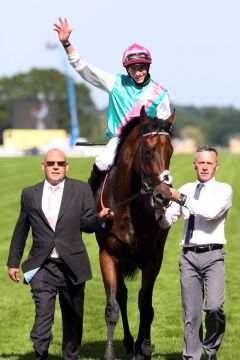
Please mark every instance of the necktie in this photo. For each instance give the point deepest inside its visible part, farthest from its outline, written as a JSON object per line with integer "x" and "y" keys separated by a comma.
{"x": 191, "y": 220}
{"x": 52, "y": 214}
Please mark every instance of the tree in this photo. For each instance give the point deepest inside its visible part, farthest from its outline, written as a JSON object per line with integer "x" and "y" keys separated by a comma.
{"x": 194, "y": 133}
{"x": 216, "y": 124}
{"x": 52, "y": 84}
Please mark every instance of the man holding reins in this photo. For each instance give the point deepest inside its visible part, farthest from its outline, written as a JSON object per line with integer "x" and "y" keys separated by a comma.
{"x": 204, "y": 205}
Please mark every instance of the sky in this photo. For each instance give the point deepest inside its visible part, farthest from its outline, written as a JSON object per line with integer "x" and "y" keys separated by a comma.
{"x": 194, "y": 44}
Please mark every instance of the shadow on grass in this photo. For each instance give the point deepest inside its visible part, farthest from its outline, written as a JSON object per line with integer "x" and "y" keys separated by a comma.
{"x": 95, "y": 351}
{"x": 89, "y": 350}
{"x": 170, "y": 356}
{"x": 28, "y": 356}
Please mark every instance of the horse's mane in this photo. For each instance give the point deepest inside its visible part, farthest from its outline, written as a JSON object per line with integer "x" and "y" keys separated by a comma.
{"x": 154, "y": 124}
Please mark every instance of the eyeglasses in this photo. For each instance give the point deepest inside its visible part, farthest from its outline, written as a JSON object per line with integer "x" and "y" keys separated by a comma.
{"x": 59, "y": 163}
{"x": 138, "y": 56}
{"x": 139, "y": 67}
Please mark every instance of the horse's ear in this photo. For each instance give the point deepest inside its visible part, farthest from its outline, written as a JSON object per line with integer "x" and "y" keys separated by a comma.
{"x": 171, "y": 117}
{"x": 143, "y": 114}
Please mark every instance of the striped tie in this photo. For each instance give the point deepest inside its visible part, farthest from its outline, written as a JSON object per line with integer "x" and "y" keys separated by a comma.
{"x": 52, "y": 215}
{"x": 52, "y": 211}
{"x": 191, "y": 220}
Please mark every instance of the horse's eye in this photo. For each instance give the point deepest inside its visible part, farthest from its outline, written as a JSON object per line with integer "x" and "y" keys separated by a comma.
{"x": 148, "y": 151}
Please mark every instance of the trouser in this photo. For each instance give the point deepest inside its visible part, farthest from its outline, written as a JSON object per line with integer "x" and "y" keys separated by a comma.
{"x": 49, "y": 281}
{"x": 105, "y": 159}
{"x": 202, "y": 275}
{"x": 102, "y": 165}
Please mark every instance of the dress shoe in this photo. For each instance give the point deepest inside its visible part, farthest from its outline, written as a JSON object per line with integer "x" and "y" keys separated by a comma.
{"x": 211, "y": 357}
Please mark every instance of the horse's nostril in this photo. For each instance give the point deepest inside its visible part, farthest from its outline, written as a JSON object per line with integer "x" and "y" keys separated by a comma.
{"x": 161, "y": 200}
{"x": 158, "y": 198}
{"x": 166, "y": 202}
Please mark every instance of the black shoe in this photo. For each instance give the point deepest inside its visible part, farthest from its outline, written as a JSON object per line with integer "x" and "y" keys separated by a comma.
{"x": 211, "y": 357}
{"x": 96, "y": 179}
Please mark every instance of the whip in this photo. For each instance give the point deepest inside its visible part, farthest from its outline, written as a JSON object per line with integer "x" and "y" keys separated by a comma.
{"x": 88, "y": 143}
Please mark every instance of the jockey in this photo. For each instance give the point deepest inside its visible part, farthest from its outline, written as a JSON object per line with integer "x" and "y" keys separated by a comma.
{"x": 127, "y": 94}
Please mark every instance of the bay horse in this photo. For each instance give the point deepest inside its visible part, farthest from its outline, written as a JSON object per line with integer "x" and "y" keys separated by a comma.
{"x": 138, "y": 182}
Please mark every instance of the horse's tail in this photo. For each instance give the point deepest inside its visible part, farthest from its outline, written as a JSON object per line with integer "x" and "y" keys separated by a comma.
{"x": 130, "y": 270}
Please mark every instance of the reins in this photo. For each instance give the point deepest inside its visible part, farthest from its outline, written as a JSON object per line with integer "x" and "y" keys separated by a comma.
{"x": 143, "y": 191}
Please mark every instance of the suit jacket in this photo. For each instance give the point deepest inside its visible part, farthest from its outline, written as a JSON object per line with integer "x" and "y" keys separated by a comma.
{"x": 76, "y": 214}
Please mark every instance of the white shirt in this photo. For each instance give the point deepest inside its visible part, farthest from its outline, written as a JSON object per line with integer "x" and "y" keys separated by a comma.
{"x": 210, "y": 212}
{"x": 46, "y": 193}
{"x": 92, "y": 74}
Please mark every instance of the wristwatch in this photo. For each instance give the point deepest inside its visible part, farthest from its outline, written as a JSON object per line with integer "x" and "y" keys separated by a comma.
{"x": 66, "y": 44}
{"x": 181, "y": 199}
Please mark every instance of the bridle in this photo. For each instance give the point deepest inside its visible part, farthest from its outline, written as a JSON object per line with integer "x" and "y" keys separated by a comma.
{"x": 146, "y": 189}
{"x": 164, "y": 176}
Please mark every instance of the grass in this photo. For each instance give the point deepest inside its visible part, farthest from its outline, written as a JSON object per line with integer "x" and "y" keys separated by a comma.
{"x": 16, "y": 305}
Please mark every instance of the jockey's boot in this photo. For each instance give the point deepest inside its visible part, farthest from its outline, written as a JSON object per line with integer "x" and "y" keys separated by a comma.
{"x": 96, "y": 179}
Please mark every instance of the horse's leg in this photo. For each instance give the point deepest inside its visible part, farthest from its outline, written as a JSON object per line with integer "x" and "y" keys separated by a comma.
{"x": 109, "y": 265}
{"x": 122, "y": 301}
{"x": 143, "y": 346}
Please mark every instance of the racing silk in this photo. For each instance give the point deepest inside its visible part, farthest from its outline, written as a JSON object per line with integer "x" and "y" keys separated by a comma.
{"x": 127, "y": 98}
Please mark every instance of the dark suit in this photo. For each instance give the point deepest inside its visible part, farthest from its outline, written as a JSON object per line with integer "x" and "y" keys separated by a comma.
{"x": 76, "y": 214}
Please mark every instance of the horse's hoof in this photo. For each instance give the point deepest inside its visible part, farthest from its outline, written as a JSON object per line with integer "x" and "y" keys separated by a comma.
{"x": 129, "y": 345}
{"x": 142, "y": 357}
{"x": 147, "y": 357}
{"x": 138, "y": 357}
{"x": 109, "y": 351}
{"x": 147, "y": 350}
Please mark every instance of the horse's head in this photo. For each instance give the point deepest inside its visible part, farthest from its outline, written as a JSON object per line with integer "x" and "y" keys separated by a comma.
{"x": 142, "y": 160}
{"x": 154, "y": 157}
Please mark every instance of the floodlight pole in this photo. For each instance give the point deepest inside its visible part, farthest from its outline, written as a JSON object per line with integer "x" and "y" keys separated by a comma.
{"x": 75, "y": 131}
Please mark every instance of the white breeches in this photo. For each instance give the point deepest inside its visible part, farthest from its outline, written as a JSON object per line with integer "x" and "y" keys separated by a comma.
{"x": 104, "y": 160}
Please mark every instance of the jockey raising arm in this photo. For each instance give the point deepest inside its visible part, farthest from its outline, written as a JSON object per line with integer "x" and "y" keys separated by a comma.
{"x": 127, "y": 93}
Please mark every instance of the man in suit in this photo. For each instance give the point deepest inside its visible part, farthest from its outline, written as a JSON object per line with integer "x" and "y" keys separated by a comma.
{"x": 57, "y": 210}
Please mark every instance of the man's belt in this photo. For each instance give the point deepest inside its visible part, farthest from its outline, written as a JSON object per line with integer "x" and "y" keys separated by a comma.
{"x": 202, "y": 248}
{"x": 55, "y": 260}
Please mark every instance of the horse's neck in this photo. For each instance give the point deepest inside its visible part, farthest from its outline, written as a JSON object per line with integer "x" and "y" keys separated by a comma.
{"x": 123, "y": 177}
{"x": 124, "y": 173}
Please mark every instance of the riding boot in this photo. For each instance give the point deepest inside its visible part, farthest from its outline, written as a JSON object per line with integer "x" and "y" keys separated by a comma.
{"x": 96, "y": 179}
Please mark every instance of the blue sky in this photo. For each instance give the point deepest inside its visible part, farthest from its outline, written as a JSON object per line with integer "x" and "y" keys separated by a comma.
{"x": 194, "y": 44}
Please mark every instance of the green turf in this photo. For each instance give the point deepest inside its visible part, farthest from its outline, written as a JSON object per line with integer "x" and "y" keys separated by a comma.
{"x": 16, "y": 305}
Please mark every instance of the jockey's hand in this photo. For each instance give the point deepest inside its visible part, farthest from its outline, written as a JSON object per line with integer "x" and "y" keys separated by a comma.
{"x": 106, "y": 214}
{"x": 14, "y": 274}
{"x": 62, "y": 29}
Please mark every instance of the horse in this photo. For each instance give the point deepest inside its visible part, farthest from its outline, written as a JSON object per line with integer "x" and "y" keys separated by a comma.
{"x": 135, "y": 188}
